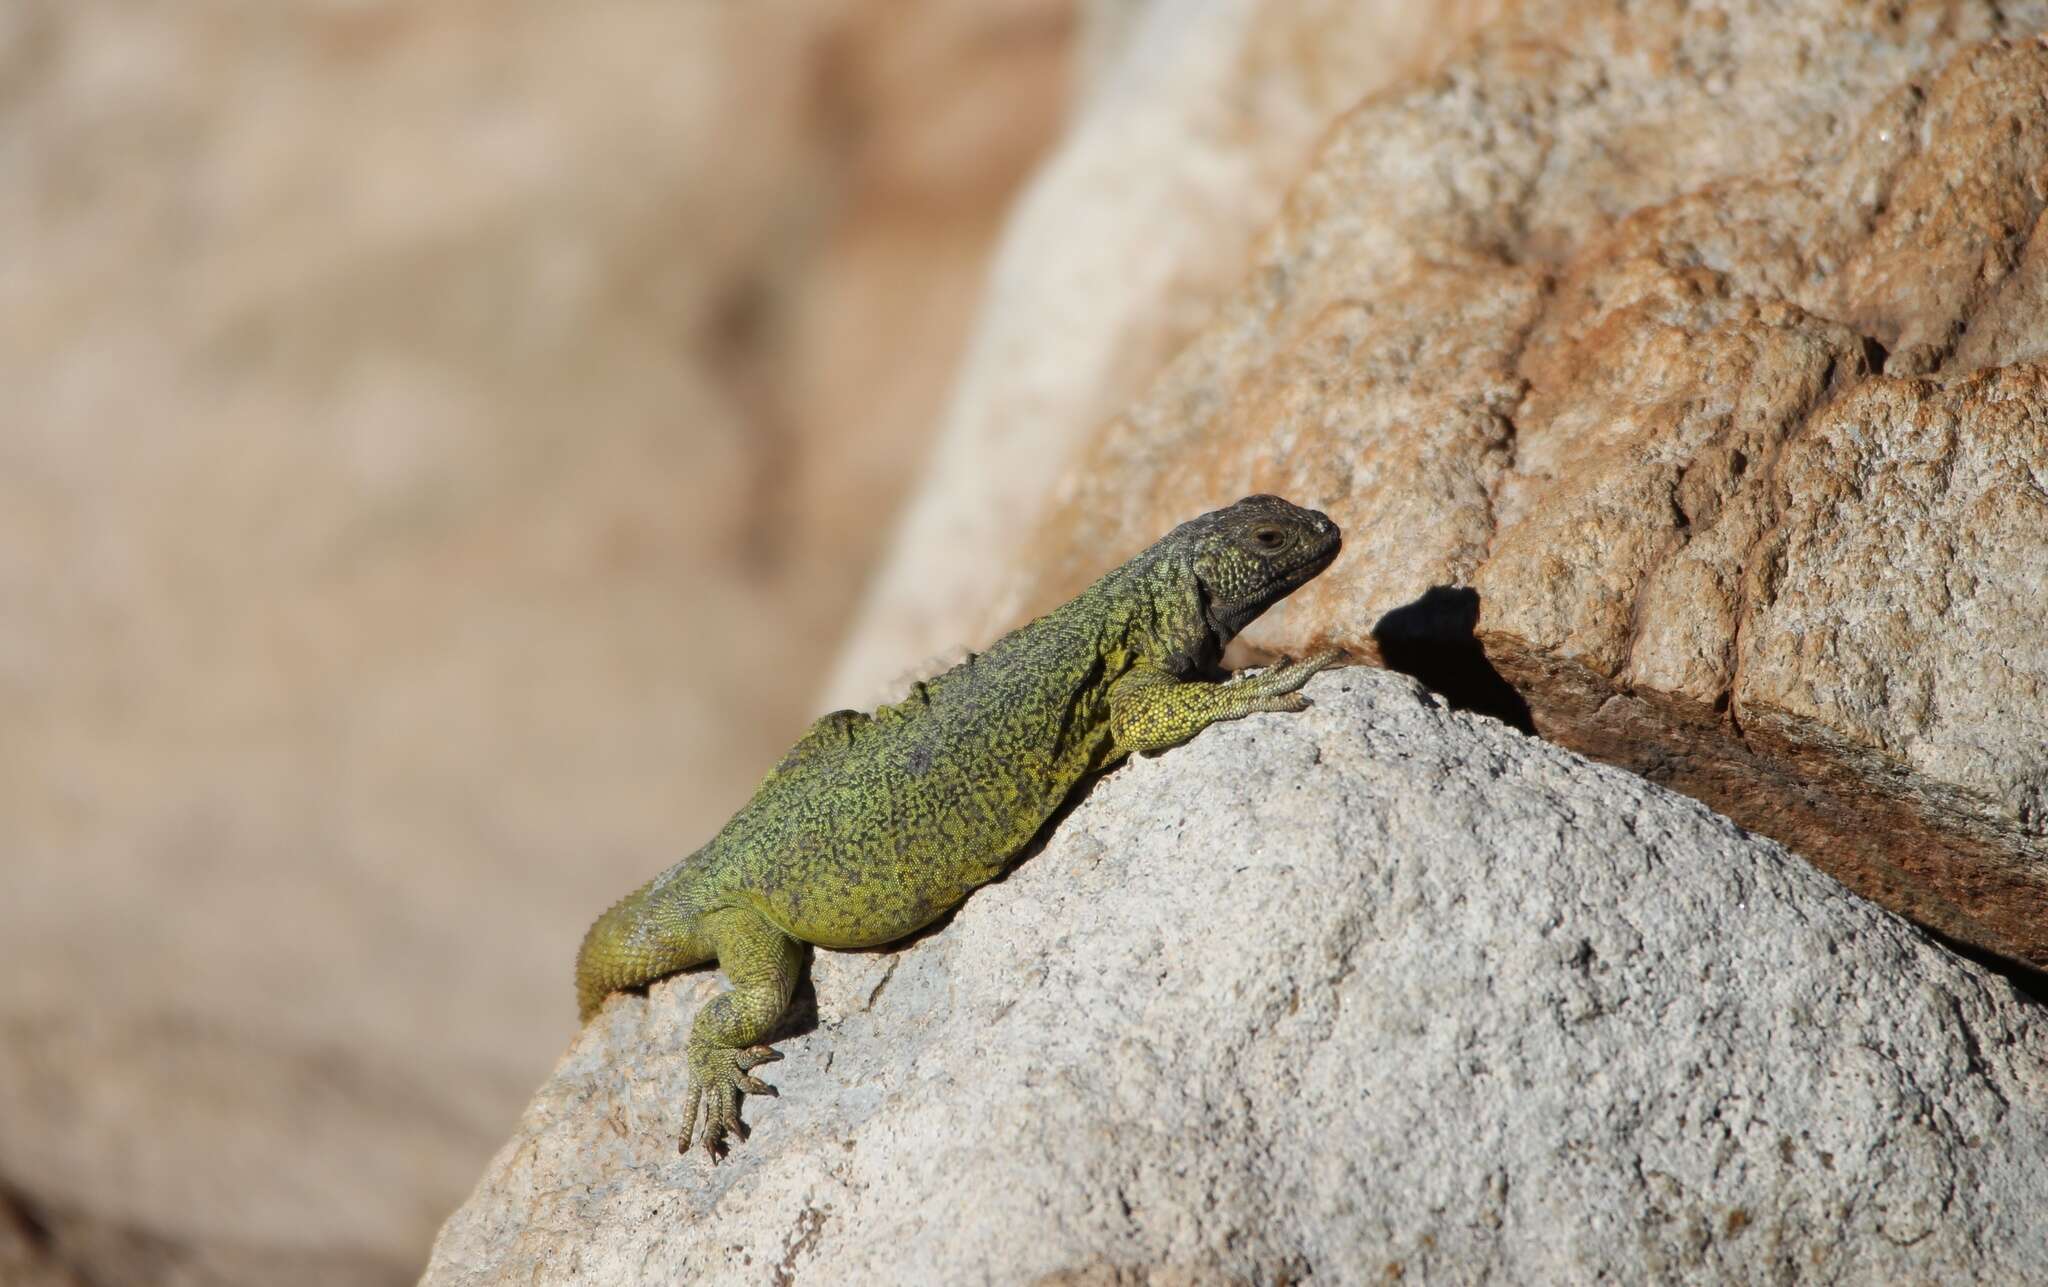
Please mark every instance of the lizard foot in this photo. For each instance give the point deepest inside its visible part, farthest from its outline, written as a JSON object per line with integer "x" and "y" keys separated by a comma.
{"x": 1284, "y": 680}
{"x": 718, "y": 1076}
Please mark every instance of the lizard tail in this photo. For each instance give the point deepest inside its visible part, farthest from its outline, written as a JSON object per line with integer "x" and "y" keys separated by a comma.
{"x": 645, "y": 935}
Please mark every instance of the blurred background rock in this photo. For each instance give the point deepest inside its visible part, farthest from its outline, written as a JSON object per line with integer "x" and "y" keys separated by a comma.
{"x": 442, "y": 443}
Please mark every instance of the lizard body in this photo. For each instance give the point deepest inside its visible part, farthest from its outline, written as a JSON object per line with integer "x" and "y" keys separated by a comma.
{"x": 874, "y": 825}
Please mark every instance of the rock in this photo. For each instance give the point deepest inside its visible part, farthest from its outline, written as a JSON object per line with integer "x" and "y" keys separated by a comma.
{"x": 1374, "y": 991}
{"x": 442, "y": 443}
{"x": 1690, "y": 353}
{"x": 1192, "y": 122}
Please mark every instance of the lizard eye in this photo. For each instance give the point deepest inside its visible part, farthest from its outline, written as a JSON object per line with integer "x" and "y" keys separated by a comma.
{"x": 1270, "y": 538}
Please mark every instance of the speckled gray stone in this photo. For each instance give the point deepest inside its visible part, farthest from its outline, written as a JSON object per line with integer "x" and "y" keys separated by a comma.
{"x": 1378, "y": 990}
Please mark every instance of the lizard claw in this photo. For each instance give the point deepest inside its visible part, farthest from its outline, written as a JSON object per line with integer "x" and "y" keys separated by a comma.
{"x": 718, "y": 1077}
{"x": 754, "y": 1057}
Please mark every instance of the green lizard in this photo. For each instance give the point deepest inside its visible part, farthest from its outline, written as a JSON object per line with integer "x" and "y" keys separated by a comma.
{"x": 874, "y": 825}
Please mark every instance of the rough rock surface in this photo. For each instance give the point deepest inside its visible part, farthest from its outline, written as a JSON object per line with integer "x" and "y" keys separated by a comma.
{"x": 1193, "y": 120}
{"x": 1382, "y": 989}
{"x": 440, "y": 444}
{"x": 1703, "y": 344}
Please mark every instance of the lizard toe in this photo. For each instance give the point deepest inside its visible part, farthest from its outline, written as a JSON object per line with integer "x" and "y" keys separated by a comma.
{"x": 729, "y": 1115}
{"x": 718, "y": 1079}
{"x": 694, "y": 1103}
{"x": 755, "y": 1056}
{"x": 721, "y": 1121}
{"x": 1282, "y": 703}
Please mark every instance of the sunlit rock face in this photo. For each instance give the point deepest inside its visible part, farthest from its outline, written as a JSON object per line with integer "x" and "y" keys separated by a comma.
{"x": 1692, "y": 358}
{"x": 1376, "y": 991}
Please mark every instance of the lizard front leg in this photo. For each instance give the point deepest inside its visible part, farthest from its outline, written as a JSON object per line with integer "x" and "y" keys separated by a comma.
{"x": 1149, "y": 709}
{"x": 763, "y": 964}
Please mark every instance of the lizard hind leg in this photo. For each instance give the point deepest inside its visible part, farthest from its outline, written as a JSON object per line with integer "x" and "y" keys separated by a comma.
{"x": 645, "y": 935}
{"x": 763, "y": 964}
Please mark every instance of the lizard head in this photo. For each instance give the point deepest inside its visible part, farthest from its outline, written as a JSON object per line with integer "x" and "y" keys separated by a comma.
{"x": 1252, "y": 555}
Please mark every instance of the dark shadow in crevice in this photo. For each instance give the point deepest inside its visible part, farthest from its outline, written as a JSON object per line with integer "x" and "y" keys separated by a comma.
{"x": 2030, "y": 981}
{"x": 1433, "y": 640}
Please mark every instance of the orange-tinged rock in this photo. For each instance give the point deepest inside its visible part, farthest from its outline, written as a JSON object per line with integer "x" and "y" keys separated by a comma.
{"x": 1691, "y": 365}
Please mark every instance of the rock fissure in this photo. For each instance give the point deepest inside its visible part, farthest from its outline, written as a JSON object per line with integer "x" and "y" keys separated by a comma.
{"x": 1508, "y": 446}
{"x": 1758, "y": 567}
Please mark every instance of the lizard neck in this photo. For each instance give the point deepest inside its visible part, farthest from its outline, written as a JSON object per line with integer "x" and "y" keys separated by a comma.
{"x": 1149, "y": 611}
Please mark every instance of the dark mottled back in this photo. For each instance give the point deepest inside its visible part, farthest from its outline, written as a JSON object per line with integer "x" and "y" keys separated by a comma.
{"x": 921, "y": 801}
